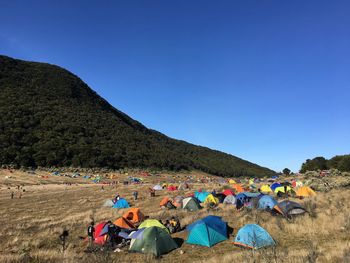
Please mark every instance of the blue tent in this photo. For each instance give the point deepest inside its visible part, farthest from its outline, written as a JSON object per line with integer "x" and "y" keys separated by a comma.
{"x": 207, "y": 231}
{"x": 253, "y": 236}
{"x": 121, "y": 203}
{"x": 201, "y": 196}
{"x": 274, "y": 186}
{"x": 266, "y": 202}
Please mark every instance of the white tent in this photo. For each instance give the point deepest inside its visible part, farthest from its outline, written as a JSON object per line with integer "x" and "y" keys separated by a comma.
{"x": 230, "y": 199}
{"x": 157, "y": 187}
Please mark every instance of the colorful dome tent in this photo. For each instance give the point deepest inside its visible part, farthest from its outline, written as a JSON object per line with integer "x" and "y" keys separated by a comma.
{"x": 228, "y": 192}
{"x": 152, "y": 240}
{"x": 207, "y": 231}
{"x": 220, "y": 197}
{"x": 296, "y": 184}
{"x": 245, "y": 198}
{"x": 191, "y": 204}
{"x": 167, "y": 203}
{"x": 266, "y": 189}
{"x": 289, "y": 208}
{"x": 282, "y": 190}
{"x": 177, "y": 201}
{"x": 266, "y": 202}
{"x": 183, "y": 186}
{"x": 253, "y": 236}
{"x": 231, "y": 181}
{"x": 134, "y": 215}
{"x": 121, "y": 203}
{"x": 238, "y": 188}
{"x": 305, "y": 191}
{"x": 274, "y": 186}
{"x": 98, "y": 238}
{"x": 230, "y": 199}
{"x": 157, "y": 187}
{"x": 152, "y": 222}
{"x": 201, "y": 196}
{"x": 211, "y": 199}
{"x": 123, "y": 223}
{"x": 172, "y": 188}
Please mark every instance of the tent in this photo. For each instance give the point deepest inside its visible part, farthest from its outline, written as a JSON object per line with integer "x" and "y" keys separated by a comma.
{"x": 228, "y": 192}
{"x": 191, "y": 204}
{"x": 157, "y": 187}
{"x": 253, "y": 236}
{"x": 121, "y": 203}
{"x": 220, "y": 197}
{"x": 108, "y": 203}
{"x": 246, "y": 198}
{"x": 207, "y": 231}
{"x": 183, "y": 186}
{"x": 98, "y": 238}
{"x": 289, "y": 208}
{"x": 297, "y": 184}
{"x": 231, "y": 181}
{"x": 265, "y": 189}
{"x": 164, "y": 201}
{"x": 305, "y": 191}
{"x": 201, "y": 196}
{"x": 238, "y": 188}
{"x": 123, "y": 223}
{"x": 152, "y": 222}
{"x": 266, "y": 202}
{"x": 274, "y": 186}
{"x": 153, "y": 240}
{"x": 177, "y": 201}
{"x": 134, "y": 215}
{"x": 172, "y": 188}
{"x": 211, "y": 199}
{"x": 282, "y": 189}
{"x": 230, "y": 199}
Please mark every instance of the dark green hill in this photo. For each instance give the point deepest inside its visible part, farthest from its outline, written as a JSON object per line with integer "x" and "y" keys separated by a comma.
{"x": 340, "y": 162}
{"x": 49, "y": 117}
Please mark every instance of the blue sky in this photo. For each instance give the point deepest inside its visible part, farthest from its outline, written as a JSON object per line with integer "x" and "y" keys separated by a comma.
{"x": 268, "y": 81}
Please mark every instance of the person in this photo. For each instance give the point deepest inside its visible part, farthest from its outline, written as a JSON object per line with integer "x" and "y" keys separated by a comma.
{"x": 135, "y": 194}
{"x": 20, "y": 195}
{"x": 174, "y": 225}
{"x": 12, "y": 194}
{"x": 91, "y": 233}
{"x": 152, "y": 192}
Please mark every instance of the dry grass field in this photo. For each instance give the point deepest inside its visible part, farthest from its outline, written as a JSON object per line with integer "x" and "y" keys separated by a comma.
{"x": 30, "y": 226}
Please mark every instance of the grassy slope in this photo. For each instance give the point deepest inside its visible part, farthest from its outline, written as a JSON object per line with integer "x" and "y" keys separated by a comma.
{"x": 30, "y": 226}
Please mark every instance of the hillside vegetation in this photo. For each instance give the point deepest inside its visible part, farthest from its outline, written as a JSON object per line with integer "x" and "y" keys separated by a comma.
{"x": 49, "y": 117}
{"x": 340, "y": 162}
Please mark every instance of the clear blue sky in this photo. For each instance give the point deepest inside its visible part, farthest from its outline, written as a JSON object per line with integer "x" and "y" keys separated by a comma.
{"x": 268, "y": 81}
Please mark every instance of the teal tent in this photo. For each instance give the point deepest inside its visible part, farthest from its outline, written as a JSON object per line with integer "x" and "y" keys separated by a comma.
{"x": 207, "y": 231}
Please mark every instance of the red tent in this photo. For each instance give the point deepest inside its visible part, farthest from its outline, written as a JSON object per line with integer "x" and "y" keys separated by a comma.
{"x": 99, "y": 240}
{"x": 228, "y": 192}
{"x": 172, "y": 188}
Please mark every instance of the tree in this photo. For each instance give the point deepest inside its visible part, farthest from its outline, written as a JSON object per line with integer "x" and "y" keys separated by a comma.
{"x": 286, "y": 171}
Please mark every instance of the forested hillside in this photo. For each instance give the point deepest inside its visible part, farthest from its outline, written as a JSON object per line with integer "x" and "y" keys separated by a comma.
{"x": 49, "y": 117}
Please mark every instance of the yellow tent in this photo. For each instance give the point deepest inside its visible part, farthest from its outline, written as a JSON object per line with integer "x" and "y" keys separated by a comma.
{"x": 305, "y": 191}
{"x": 265, "y": 189}
{"x": 231, "y": 181}
{"x": 211, "y": 199}
{"x": 251, "y": 181}
{"x": 281, "y": 189}
{"x": 150, "y": 223}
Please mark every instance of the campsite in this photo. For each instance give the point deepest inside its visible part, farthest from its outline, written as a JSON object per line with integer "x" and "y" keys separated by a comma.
{"x": 31, "y": 226}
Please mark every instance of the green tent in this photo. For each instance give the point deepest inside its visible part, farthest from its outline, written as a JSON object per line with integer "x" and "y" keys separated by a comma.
{"x": 152, "y": 240}
{"x": 191, "y": 204}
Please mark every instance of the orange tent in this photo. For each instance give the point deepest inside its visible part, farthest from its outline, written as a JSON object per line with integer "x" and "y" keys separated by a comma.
{"x": 123, "y": 223}
{"x": 164, "y": 201}
{"x": 305, "y": 191}
{"x": 238, "y": 188}
{"x": 134, "y": 215}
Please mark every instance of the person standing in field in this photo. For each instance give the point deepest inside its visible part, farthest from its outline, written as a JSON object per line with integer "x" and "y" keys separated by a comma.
{"x": 135, "y": 194}
{"x": 91, "y": 233}
{"x": 12, "y": 194}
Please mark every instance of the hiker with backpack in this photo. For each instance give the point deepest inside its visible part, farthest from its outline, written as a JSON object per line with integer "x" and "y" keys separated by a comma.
{"x": 135, "y": 194}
